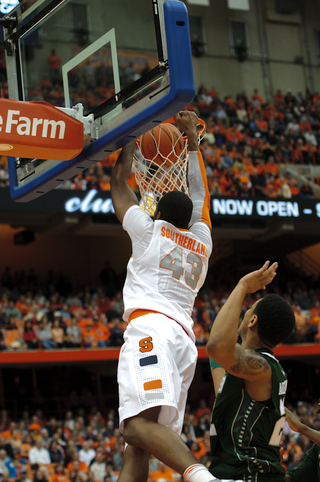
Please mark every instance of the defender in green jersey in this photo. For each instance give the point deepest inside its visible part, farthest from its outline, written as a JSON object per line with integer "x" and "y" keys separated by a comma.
{"x": 309, "y": 468}
{"x": 249, "y": 413}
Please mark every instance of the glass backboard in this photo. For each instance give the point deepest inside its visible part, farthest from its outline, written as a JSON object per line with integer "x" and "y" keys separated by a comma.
{"x": 128, "y": 63}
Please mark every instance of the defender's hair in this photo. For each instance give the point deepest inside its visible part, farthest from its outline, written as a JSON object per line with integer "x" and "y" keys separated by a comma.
{"x": 275, "y": 319}
{"x": 176, "y": 208}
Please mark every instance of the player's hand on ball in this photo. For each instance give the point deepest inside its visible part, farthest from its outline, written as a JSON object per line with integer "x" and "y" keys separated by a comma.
{"x": 187, "y": 121}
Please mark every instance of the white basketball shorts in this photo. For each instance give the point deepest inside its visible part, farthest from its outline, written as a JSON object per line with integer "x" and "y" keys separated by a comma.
{"x": 156, "y": 367}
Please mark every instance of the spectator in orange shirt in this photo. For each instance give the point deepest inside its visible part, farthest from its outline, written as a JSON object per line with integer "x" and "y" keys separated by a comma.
{"x": 278, "y": 98}
{"x": 233, "y": 134}
{"x": 8, "y": 433}
{"x": 89, "y": 337}
{"x": 101, "y": 332}
{"x": 198, "y": 450}
{"x": 295, "y": 191}
{"x": 59, "y": 474}
{"x": 163, "y": 472}
{"x": 315, "y": 313}
{"x": 243, "y": 177}
{"x": 271, "y": 167}
{"x": 202, "y": 409}
{"x": 105, "y": 183}
{"x": 262, "y": 124}
{"x": 305, "y": 125}
{"x": 75, "y": 465}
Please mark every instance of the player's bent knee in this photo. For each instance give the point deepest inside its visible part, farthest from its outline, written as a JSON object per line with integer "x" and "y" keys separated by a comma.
{"x": 132, "y": 432}
{"x": 135, "y": 428}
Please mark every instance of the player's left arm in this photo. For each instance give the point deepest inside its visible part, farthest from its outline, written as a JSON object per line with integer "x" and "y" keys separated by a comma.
{"x": 297, "y": 426}
{"x": 187, "y": 121}
{"x": 222, "y": 345}
{"x": 217, "y": 373}
{"x": 122, "y": 195}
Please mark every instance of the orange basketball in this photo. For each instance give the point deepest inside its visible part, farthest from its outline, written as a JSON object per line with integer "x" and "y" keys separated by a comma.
{"x": 163, "y": 142}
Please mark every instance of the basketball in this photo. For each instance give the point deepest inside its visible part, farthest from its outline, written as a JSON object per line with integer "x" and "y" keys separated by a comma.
{"x": 162, "y": 144}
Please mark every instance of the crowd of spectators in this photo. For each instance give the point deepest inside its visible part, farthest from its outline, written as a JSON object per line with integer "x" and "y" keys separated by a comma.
{"x": 250, "y": 143}
{"x": 247, "y": 149}
{"x": 54, "y": 313}
{"x": 88, "y": 447}
{"x": 46, "y": 314}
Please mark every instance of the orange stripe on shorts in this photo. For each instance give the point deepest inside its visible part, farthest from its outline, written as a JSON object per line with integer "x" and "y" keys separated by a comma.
{"x": 152, "y": 385}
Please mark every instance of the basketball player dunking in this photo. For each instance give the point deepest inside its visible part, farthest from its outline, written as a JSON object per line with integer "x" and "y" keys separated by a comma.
{"x": 167, "y": 269}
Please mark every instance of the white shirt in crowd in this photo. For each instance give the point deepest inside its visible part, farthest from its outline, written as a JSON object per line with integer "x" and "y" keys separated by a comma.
{"x": 86, "y": 455}
{"x": 39, "y": 456}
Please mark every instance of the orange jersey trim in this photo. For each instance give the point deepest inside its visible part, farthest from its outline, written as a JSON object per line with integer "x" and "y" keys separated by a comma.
{"x": 205, "y": 216}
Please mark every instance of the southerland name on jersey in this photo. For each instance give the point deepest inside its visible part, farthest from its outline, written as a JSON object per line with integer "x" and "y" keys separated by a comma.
{"x": 184, "y": 241}
{"x": 34, "y": 126}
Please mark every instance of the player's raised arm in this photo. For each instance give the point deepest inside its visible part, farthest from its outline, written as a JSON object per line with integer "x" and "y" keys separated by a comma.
{"x": 222, "y": 344}
{"x": 122, "y": 195}
{"x": 297, "y": 426}
{"x": 187, "y": 121}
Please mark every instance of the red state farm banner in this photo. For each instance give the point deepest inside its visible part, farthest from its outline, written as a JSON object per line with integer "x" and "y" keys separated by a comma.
{"x": 38, "y": 130}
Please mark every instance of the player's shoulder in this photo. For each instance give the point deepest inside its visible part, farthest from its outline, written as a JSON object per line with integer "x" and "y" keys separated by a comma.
{"x": 135, "y": 212}
{"x": 203, "y": 232}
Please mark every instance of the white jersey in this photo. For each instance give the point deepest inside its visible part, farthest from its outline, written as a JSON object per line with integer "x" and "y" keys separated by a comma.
{"x": 167, "y": 268}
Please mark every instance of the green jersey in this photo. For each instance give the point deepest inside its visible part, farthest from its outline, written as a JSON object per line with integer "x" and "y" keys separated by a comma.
{"x": 309, "y": 468}
{"x": 245, "y": 434}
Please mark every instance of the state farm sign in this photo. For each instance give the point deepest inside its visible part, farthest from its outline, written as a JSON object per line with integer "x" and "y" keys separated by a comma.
{"x": 26, "y": 126}
{"x": 39, "y": 130}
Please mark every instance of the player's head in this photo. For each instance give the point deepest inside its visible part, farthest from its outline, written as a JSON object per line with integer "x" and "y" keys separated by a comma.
{"x": 175, "y": 207}
{"x": 275, "y": 319}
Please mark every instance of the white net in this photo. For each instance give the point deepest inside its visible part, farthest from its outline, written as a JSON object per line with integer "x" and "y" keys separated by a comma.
{"x": 162, "y": 172}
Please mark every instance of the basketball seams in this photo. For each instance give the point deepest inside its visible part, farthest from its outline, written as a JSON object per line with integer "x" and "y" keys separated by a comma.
{"x": 166, "y": 145}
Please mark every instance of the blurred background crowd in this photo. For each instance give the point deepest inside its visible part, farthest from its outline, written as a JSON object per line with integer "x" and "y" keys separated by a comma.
{"x": 250, "y": 147}
{"x": 87, "y": 446}
{"x": 55, "y": 312}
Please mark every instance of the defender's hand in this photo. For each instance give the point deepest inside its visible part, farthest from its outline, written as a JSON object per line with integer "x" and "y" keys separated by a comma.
{"x": 259, "y": 279}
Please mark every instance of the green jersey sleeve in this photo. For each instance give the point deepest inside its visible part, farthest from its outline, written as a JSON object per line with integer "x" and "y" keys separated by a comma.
{"x": 309, "y": 468}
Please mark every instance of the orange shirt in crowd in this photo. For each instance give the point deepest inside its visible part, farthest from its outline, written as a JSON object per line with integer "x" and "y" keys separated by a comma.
{"x": 315, "y": 315}
{"x": 294, "y": 190}
{"x": 272, "y": 168}
{"x": 84, "y": 322}
{"x": 202, "y": 411}
{"x": 60, "y": 478}
{"x": 8, "y": 434}
{"x": 278, "y": 97}
{"x": 82, "y": 466}
{"x": 225, "y": 183}
{"x": 105, "y": 186}
{"x": 201, "y": 452}
{"x": 256, "y": 97}
{"x": 262, "y": 125}
{"x": 233, "y": 134}
{"x": 198, "y": 331}
{"x": 89, "y": 335}
{"x": 166, "y": 474}
{"x": 101, "y": 332}
{"x": 305, "y": 126}
{"x": 54, "y": 61}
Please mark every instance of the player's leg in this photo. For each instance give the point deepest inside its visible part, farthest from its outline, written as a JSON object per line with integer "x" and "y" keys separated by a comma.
{"x": 144, "y": 432}
{"x": 135, "y": 467}
{"x": 170, "y": 357}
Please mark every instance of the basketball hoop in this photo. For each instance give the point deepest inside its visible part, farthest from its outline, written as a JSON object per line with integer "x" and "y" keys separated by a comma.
{"x": 162, "y": 172}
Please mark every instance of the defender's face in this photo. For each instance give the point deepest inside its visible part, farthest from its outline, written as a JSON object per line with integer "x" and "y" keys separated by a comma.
{"x": 243, "y": 326}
